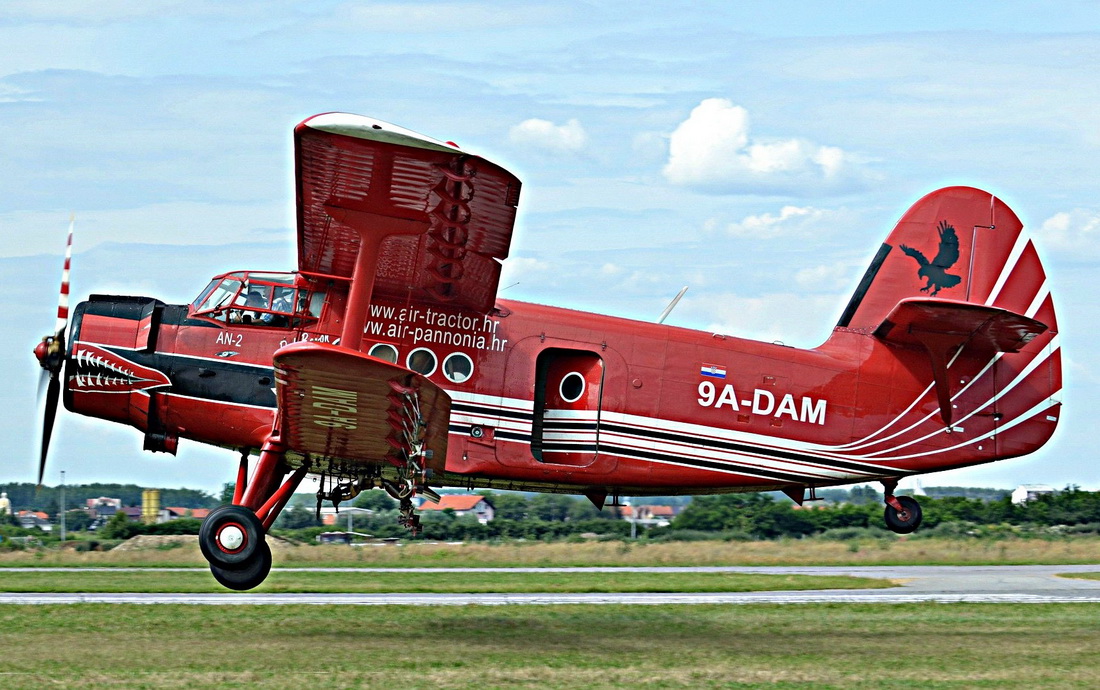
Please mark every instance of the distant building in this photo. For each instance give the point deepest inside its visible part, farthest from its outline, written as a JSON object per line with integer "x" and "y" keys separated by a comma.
{"x": 330, "y": 516}
{"x": 102, "y": 507}
{"x": 1028, "y": 492}
{"x": 653, "y": 516}
{"x": 462, "y": 504}
{"x": 132, "y": 512}
{"x": 34, "y": 518}
{"x": 174, "y": 513}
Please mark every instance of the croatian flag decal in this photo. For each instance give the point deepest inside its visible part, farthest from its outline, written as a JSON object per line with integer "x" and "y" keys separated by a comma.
{"x": 714, "y": 371}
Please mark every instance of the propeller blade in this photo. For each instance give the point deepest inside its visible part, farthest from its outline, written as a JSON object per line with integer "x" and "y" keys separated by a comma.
{"x": 42, "y": 379}
{"x": 51, "y": 355}
{"x": 53, "y": 393}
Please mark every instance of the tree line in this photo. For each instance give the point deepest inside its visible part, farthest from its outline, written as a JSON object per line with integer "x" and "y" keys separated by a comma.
{"x": 854, "y": 511}
{"x": 30, "y": 496}
{"x": 763, "y": 516}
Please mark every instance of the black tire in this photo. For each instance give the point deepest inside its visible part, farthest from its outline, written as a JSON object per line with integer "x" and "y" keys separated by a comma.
{"x": 222, "y": 516}
{"x": 906, "y": 521}
{"x": 251, "y": 575}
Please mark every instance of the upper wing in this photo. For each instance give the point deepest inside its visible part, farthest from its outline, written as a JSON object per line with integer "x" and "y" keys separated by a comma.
{"x": 342, "y": 405}
{"x": 443, "y": 217}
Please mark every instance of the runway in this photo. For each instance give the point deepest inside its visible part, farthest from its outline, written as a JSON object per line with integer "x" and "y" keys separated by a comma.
{"x": 1022, "y": 584}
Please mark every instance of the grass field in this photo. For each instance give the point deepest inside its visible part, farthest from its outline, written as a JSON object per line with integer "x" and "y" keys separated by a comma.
{"x": 1083, "y": 576}
{"x": 783, "y": 552}
{"x": 202, "y": 581}
{"x": 869, "y": 646}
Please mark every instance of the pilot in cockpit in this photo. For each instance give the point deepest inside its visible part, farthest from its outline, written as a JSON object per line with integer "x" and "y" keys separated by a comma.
{"x": 283, "y": 303}
{"x": 255, "y": 299}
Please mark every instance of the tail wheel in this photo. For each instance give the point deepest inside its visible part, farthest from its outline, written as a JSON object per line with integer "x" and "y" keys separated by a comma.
{"x": 231, "y": 536}
{"x": 250, "y": 575}
{"x": 905, "y": 520}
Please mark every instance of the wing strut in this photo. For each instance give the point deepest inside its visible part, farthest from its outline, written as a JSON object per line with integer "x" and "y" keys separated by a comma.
{"x": 373, "y": 229}
{"x": 940, "y": 347}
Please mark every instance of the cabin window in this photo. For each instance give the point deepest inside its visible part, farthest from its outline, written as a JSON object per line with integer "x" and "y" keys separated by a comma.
{"x": 384, "y": 351}
{"x": 458, "y": 367}
{"x": 572, "y": 387}
{"x": 422, "y": 361}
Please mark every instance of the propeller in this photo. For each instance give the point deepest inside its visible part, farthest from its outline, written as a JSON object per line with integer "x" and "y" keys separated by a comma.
{"x": 51, "y": 356}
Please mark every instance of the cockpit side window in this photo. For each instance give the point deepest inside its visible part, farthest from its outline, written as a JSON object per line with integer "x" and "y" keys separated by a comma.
{"x": 220, "y": 296}
{"x": 274, "y": 300}
{"x": 197, "y": 304}
{"x": 316, "y": 303}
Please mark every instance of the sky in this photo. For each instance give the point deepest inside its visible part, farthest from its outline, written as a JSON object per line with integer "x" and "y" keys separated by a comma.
{"x": 757, "y": 153}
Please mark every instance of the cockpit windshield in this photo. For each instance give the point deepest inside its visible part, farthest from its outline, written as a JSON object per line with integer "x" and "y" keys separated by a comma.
{"x": 276, "y": 300}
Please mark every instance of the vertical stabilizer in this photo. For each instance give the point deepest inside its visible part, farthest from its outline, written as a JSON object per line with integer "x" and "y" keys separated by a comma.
{"x": 960, "y": 282}
{"x": 957, "y": 243}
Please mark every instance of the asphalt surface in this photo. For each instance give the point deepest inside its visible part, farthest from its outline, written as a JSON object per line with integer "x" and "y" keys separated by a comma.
{"x": 969, "y": 584}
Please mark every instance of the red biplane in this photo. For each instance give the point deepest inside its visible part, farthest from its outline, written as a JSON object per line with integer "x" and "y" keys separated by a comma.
{"x": 388, "y": 361}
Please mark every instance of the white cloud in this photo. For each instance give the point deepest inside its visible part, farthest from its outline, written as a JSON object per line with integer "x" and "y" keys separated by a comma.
{"x": 794, "y": 319}
{"x": 825, "y": 276}
{"x": 517, "y": 268}
{"x": 174, "y": 223}
{"x": 790, "y": 221}
{"x": 1073, "y": 232}
{"x": 98, "y": 11}
{"x": 712, "y": 151}
{"x": 428, "y": 17}
{"x": 545, "y": 135}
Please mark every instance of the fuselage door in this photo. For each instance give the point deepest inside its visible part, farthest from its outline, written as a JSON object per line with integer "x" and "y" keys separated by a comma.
{"x": 565, "y": 426}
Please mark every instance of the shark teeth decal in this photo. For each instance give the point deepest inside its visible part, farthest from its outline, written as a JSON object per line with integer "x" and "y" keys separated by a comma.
{"x": 96, "y": 370}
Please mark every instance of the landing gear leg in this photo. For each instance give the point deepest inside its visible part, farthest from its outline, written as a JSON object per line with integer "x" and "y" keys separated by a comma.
{"x": 903, "y": 513}
{"x": 409, "y": 519}
{"x": 232, "y": 537}
{"x": 403, "y": 491}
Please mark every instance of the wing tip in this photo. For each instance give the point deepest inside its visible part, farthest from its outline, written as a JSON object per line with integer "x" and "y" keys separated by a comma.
{"x": 363, "y": 127}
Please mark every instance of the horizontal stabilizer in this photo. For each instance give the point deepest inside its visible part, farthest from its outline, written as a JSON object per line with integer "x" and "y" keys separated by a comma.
{"x": 983, "y": 328}
{"x": 942, "y": 326}
{"x": 337, "y": 403}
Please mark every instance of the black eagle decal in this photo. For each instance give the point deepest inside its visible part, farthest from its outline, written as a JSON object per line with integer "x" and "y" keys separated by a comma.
{"x": 935, "y": 271}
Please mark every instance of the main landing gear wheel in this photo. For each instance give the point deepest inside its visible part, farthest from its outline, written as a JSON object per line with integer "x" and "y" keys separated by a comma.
{"x": 905, "y": 520}
{"x": 230, "y": 537}
{"x": 250, "y": 575}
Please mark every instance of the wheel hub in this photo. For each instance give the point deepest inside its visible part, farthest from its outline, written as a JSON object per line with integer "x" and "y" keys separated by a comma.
{"x": 231, "y": 537}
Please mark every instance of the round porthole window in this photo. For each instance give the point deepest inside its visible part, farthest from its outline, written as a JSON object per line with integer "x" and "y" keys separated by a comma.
{"x": 572, "y": 387}
{"x": 422, "y": 361}
{"x": 384, "y": 351}
{"x": 458, "y": 367}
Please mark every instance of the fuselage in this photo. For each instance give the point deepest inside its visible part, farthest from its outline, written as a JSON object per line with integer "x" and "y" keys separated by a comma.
{"x": 550, "y": 398}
